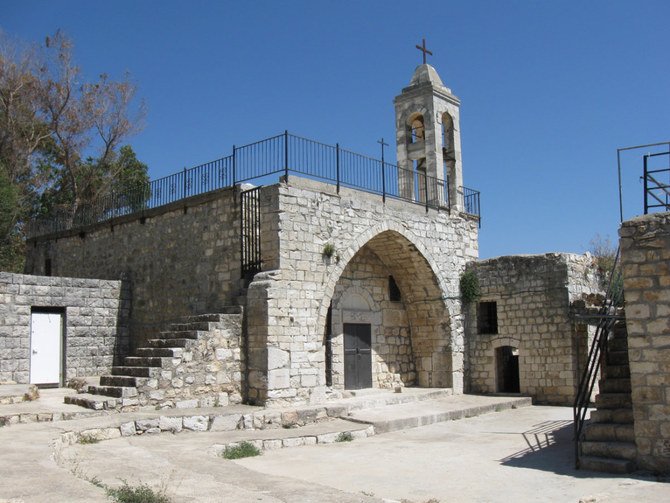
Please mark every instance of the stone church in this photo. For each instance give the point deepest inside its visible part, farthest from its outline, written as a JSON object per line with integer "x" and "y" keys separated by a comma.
{"x": 292, "y": 271}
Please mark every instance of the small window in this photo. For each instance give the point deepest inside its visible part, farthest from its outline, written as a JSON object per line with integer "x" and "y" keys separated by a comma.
{"x": 394, "y": 291}
{"x": 47, "y": 267}
{"x": 488, "y": 318}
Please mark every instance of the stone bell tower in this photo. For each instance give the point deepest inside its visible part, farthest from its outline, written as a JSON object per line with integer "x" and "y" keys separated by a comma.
{"x": 428, "y": 139}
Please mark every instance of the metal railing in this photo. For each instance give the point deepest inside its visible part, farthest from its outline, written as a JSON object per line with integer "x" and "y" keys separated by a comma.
{"x": 608, "y": 315}
{"x": 281, "y": 154}
{"x": 250, "y": 233}
{"x": 656, "y": 192}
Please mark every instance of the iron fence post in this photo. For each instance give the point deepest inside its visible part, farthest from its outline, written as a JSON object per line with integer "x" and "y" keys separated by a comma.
{"x": 184, "y": 182}
{"x": 234, "y": 173}
{"x": 383, "y": 177}
{"x": 644, "y": 176}
{"x": 425, "y": 185}
{"x": 337, "y": 166}
{"x": 286, "y": 155}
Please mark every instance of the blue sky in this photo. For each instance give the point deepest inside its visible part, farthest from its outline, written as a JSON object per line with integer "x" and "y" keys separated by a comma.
{"x": 549, "y": 89}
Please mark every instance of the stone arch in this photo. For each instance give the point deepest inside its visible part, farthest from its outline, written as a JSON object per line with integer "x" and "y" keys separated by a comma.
{"x": 424, "y": 293}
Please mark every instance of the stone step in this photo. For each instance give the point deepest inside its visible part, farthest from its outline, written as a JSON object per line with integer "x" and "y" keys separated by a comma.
{"x": 118, "y": 380}
{"x": 618, "y": 344}
{"x": 169, "y": 343}
{"x": 607, "y": 465}
{"x": 136, "y": 371}
{"x": 616, "y": 450}
{"x": 114, "y": 391}
{"x": 94, "y": 402}
{"x": 621, "y": 416}
{"x": 143, "y": 361}
{"x": 180, "y": 334}
{"x": 160, "y": 352}
{"x": 613, "y": 401}
{"x": 615, "y": 385}
{"x": 415, "y": 414}
{"x": 226, "y": 312}
{"x": 617, "y": 358}
{"x": 604, "y": 432}
{"x": 616, "y": 371}
{"x": 192, "y": 326}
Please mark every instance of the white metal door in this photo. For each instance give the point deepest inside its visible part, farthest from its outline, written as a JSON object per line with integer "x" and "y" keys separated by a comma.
{"x": 46, "y": 336}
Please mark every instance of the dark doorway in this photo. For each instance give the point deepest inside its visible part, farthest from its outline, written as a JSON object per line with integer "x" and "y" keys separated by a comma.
{"x": 507, "y": 363}
{"x": 357, "y": 356}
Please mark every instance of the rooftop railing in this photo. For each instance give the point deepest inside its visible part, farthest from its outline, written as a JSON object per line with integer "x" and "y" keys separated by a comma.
{"x": 259, "y": 161}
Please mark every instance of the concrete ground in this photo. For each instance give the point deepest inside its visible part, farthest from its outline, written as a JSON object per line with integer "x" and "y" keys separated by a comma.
{"x": 523, "y": 454}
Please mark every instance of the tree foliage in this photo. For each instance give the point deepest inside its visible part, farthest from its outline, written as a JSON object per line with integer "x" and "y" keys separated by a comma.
{"x": 60, "y": 139}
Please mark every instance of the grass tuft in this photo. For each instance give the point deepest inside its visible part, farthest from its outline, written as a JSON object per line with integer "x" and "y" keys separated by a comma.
{"x": 242, "y": 450}
{"x": 345, "y": 436}
{"x": 140, "y": 494}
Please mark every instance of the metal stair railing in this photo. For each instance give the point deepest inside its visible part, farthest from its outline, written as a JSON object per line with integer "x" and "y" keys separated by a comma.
{"x": 607, "y": 316}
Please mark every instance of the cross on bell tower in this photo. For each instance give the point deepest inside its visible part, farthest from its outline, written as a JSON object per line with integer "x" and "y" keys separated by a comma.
{"x": 428, "y": 142}
{"x": 423, "y": 49}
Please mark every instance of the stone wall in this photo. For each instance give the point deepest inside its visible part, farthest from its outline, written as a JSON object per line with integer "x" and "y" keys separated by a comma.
{"x": 534, "y": 295}
{"x": 287, "y": 307}
{"x": 179, "y": 259}
{"x": 645, "y": 254}
{"x": 96, "y": 322}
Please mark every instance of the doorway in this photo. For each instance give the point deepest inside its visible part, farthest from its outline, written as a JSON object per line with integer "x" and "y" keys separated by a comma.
{"x": 357, "y": 356}
{"x": 507, "y": 363}
{"x": 46, "y": 346}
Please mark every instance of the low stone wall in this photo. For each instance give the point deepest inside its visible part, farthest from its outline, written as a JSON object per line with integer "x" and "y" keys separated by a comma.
{"x": 645, "y": 254}
{"x": 96, "y": 322}
{"x": 533, "y": 296}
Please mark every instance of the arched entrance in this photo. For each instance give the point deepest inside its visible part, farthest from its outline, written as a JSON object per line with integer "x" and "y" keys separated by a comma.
{"x": 388, "y": 309}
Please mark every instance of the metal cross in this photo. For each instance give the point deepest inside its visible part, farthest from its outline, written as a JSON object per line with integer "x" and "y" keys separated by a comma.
{"x": 383, "y": 144}
{"x": 423, "y": 49}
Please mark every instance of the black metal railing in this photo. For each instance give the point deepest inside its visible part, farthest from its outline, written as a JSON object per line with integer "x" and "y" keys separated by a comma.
{"x": 250, "y": 232}
{"x": 656, "y": 192}
{"x": 608, "y": 315}
{"x": 258, "y": 161}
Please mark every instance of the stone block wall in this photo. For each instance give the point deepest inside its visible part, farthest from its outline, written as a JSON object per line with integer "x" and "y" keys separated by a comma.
{"x": 645, "y": 255}
{"x": 287, "y": 307}
{"x": 96, "y": 322}
{"x": 180, "y": 259}
{"x": 534, "y": 295}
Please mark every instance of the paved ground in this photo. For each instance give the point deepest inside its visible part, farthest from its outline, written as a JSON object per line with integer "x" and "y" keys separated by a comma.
{"x": 523, "y": 454}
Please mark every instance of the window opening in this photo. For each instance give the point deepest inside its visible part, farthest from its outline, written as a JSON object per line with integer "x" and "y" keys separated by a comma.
{"x": 488, "y": 318}
{"x": 394, "y": 291}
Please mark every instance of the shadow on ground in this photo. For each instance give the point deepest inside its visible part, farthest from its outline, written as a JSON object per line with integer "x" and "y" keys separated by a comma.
{"x": 549, "y": 448}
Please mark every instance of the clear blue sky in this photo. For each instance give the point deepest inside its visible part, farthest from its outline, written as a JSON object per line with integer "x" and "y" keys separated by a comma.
{"x": 549, "y": 89}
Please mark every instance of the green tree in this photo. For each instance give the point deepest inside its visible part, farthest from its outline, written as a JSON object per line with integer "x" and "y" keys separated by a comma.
{"x": 60, "y": 139}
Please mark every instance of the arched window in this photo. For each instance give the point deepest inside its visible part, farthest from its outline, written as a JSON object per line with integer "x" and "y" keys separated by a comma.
{"x": 448, "y": 135}
{"x": 417, "y": 130}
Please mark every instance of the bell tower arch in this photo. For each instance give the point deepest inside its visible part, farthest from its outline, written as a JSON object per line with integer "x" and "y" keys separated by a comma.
{"x": 428, "y": 140}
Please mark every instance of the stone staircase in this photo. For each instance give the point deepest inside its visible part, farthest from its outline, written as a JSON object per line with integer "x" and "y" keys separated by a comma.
{"x": 608, "y": 441}
{"x": 195, "y": 363}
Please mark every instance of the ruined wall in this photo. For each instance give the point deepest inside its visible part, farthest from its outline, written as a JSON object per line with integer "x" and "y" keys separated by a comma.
{"x": 287, "y": 307}
{"x": 180, "y": 259}
{"x": 645, "y": 254}
{"x": 533, "y": 296}
{"x": 362, "y": 296}
{"x": 96, "y": 322}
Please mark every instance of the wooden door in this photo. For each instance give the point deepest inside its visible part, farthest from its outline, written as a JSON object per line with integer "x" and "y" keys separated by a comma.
{"x": 357, "y": 356}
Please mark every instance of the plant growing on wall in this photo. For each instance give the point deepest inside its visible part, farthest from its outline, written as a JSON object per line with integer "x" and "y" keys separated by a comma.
{"x": 469, "y": 287}
{"x": 328, "y": 250}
